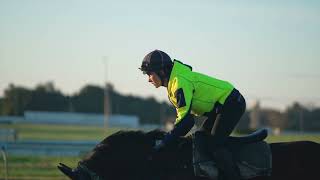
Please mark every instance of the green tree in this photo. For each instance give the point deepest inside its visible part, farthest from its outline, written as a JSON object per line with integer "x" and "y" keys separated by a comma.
{"x": 1, "y": 106}
{"x": 314, "y": 123}
{"x": 89, "y": 100}
{"x": 296, "y": 116}
{"x": 46, "y": 98}
{"x": 15, "y": 100}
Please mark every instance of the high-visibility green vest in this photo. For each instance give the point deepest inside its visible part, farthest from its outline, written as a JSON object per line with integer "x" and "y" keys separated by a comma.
{"x": 187, "y": 88}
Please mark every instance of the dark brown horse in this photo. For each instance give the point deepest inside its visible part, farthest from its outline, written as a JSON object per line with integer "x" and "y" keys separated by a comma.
{"x": 126, "y": 155}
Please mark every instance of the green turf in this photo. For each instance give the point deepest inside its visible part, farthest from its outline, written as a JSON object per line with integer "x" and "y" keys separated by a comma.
{"x": 286, "y": 138}
{"x": 44, "y": 168}
{"x": 26, "y": 167}
{"x": 59, "y": 132}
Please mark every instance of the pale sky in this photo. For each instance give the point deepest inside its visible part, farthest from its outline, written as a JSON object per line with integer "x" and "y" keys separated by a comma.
{"x": 268, "y": 49}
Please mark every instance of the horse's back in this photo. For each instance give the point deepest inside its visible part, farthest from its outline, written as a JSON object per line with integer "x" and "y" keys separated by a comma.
{"x": 295, "y": 160}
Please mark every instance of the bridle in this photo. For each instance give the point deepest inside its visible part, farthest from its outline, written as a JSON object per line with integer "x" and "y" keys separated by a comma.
{"x": 93, "y": 175}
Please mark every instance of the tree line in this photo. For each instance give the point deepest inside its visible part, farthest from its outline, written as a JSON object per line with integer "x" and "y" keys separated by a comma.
{"x": 296, "y": 117}
{"x": 89, "y": 99}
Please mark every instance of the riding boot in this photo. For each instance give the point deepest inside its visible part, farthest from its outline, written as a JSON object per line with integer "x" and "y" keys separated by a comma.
{"x": 224, "y": 161}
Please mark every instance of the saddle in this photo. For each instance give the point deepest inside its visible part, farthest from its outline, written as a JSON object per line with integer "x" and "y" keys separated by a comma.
{"x": 251, "y": 154}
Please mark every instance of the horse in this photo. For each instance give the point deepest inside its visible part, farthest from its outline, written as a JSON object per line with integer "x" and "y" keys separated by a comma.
{"x": 129, "y": 155}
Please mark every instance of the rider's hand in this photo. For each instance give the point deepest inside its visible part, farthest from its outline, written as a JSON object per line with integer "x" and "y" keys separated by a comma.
{"x": 159, "y": 146}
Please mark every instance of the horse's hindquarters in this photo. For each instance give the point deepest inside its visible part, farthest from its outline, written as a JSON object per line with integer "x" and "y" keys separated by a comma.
{"x": 295, "y": 160}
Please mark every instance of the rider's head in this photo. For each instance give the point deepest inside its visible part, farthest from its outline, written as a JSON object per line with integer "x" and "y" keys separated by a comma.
{"x": 157, "y": 63}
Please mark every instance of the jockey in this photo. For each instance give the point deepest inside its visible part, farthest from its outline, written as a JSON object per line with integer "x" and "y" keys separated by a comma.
{"x": 193, "y": 93}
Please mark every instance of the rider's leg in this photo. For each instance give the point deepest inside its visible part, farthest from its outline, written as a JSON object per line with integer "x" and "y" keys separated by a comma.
{"x": 211, "y": 117}
{"x": 231, "y": 113}
{"x": 204, "y": 132}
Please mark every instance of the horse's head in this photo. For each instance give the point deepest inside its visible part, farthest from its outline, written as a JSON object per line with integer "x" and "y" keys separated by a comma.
{"x": 77, "y": 173}
{"x": 124, "y": 155}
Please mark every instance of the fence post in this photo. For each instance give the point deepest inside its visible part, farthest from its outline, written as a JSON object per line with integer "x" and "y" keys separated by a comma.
{"x": 4, "y": 155}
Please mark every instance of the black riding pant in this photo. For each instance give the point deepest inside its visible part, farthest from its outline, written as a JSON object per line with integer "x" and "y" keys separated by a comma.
{"x": 223, "y": 118}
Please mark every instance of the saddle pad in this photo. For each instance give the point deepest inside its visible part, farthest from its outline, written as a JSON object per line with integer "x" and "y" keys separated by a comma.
{"x": 253, "y": 159}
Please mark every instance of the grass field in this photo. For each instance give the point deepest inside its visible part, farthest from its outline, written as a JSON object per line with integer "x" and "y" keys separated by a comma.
{"x": 286, "y": 138}
{"x": 36, "y": 168}
{"x": 44, "y": 168}
{"x": 59, "y": 132}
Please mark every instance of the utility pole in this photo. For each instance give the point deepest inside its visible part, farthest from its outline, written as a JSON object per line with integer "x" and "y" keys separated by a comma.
{"x": 107, "y": 104}
{"x": 5, "y": 161}
{"x": 301, "y": 120}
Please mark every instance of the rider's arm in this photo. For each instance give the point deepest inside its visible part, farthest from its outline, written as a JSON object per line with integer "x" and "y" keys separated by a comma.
{"x": 180, "y": 129}
{"x": 183, "y": 92}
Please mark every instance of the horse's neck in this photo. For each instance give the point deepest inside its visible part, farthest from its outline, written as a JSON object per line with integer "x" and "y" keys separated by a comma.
{"x": 182, "y": 160}
{"x": 176, "y": 161}
{"x": 182, "y": 156}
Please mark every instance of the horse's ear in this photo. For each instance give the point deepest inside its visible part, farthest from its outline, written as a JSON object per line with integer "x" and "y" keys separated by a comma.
{"x": 66, "y": 170}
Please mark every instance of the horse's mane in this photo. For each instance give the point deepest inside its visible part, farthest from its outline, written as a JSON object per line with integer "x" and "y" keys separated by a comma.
{"x": 120, "y": 142}
{"x": 121, "y": 136}
{"x": 117, "y": 139}
{"x": 125, "y": 148}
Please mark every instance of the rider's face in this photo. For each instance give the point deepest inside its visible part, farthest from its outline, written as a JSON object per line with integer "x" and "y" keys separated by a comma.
{"x": 154, "y": 79}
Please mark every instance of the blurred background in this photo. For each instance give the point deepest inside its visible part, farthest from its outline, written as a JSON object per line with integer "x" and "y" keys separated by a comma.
{"x": 69, "y": 71}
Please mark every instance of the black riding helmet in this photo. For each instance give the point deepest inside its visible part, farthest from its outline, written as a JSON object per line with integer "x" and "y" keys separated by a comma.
{"x": 155, "y": 61}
